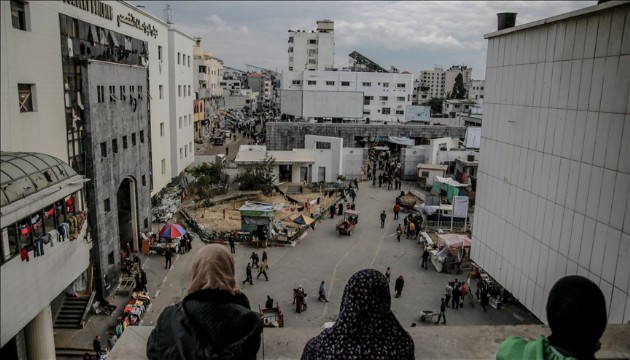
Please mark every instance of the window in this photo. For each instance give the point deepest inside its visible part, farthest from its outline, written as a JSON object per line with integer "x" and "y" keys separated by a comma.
{"x": 385, "y": 84}
{"x": 181, "y": 153}
{"x": 330, "y": 83}
{"x": 425, "y": 174}
{"x": 385, "y": 111}
{"x": 107, "y": 205}
{"x": 123, "y": 95}
{"x": 111, "y": 259}
{"x": 163, "y": 164}
{"x": 290, "y": 39}
{"x": 312, "y": 41}
{"x": 290, "y": 68}
{"x": 345, "y": 83}
{"x": 103, "y": 150}
{"x": 179, "y": 90}
{"x": 296, "y": 82}
{"x": 384, "y": 98}
{"x": 400, "y": 98}
{"x": 25, "y": 95}
{"x": 125, "y": 145}
{"x": 366, "y": 112}
{"x": 100, "y": 96}
{"x": 133, "y": 139}
{"x": 322, "y": 145}
{"x": 189, "y": 62}
{"x": 161, "y": 129}
{"x": 142, "y": 136}
{"x": 312, "y": 61}
{"x": 115, "y": 146}
{"x": 367, "y": 84}
{"x": 179, "y": 58}
{"x": 189, "y": 92}
{"x": 367, "y": 99}
{"x": 312, "y": 82}
{"x": 144, "y": 180}
{"x": 180, "y": 122}
{"x": 18, "y": 15}
{"x": 400, "y": 85}
{"x": 186, "y": 151}
{"x": 400, "y": 112}
{"x": 112, "y": 93}
{"x": 161, "y": 89}
{"x": 159, "y": 53}
{"x": 139, "y": 92}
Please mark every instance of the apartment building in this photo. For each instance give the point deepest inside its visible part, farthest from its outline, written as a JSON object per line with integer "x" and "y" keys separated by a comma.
{"x": 554, "y": 173}
{"x": 261, "y": 84}
{"x": 208, "y": 70}
{"x": 435, "y": 81}
{"x": 99, "y": 100}
{"x": 476, "y": 90}
{"x": 451, "y": 73}
{"x": 313, "y": 50}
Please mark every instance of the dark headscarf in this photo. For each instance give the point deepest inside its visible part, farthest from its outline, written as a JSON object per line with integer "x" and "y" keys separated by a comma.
{"x": 366, "y": 328}
{"x": 576, "y": 312}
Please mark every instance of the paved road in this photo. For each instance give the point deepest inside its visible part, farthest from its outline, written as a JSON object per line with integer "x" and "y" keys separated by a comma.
{"x": 325, "y": 255}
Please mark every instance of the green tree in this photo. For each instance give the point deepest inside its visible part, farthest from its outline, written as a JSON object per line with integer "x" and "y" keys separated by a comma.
{"x": 459, "y": 91}
{"x": 435, "y": 104}
{"x": 209, "y": 180}
{"x": 257, "y": 176}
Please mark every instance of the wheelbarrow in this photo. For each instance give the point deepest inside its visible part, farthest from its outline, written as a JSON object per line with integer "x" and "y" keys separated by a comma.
{"x": 427, "y": 315}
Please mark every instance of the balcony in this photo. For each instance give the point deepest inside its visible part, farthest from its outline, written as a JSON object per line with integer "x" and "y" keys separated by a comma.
{"x": 430, "y": 341}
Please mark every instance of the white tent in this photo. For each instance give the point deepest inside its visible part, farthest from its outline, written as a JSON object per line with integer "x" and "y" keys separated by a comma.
{"x": 473, "y": 137}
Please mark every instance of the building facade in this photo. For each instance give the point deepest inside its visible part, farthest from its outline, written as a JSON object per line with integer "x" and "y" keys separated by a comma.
{"x": 208, "y": 70}
{"x": 313, "y": 50}
{"x": 451, "y": 73}
{"x": 435, "y": 81}
{"x": 261, "y": 84}
{"x": 554, "y": 174}
{"x": 476, "y": 89}
{"x": 381, "y": 97}
{"x": 180, "y": 53}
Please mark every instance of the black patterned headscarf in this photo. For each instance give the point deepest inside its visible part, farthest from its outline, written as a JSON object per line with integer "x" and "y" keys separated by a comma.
{"x": 366, "y": 328}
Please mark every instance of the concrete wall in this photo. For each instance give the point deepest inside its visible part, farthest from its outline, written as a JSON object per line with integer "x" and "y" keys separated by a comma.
{"x": 336, "y": 146}
{"x": 554, "y": 171}
{"x": 410, "y": 158}
{"x": 353, "y": 158}
{"x": 107, "y": 121}
{"x": 287, "y": 136}
{"x": 29, "y": 287}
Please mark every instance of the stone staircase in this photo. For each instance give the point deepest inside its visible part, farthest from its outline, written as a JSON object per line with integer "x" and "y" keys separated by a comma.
{"x": 70, "y": 315}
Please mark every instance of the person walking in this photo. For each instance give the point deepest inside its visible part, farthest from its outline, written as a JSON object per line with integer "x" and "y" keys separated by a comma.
{"x": 332, "y": 211}
{"x": 248, "y": 275}
{"x": 396, "y": 211}
{"x": 262, "y": 270}
{"x": 425, "y": 258}
{"x": 388, "y": 274}
{"x": 456, "y": 295}
{"x": 227, "y": 150}
{"x": 269, "y": 303}
{"x": 353, "y": 195}
{"x": 254, "y": 258}
{"x": 383, "y": 216}
{"x": 96, "y": 343}
{"x": 264, "y": 257}
{"x": 380, "y": 180}
{"x": 231, "y": 241}
{"x": 322, "y": 292}
{"x": 399, "y": 231}
{"x": 168, "y": 255}
{"x": 400, "y": 283}
{"x": 442, "y": 314}
{"x": 448, "y": 292}
{"x": 412, "y": 230}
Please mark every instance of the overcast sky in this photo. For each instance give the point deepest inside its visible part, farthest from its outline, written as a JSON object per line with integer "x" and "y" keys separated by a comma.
{"x": 410, "y": 35}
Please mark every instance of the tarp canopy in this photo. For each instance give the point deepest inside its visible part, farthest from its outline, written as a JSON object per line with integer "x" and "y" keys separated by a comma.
{"x": 449, "y": 181}
{"x": 454, "y": 240}
{"x": 473, "y": 137}
{"x": 302, "y": 220}
{"x": 448, "y": 185}
{"x": 401, "y": 140}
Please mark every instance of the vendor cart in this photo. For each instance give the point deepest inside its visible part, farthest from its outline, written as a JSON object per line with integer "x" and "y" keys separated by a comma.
{"x": 427, "y": 315}
{"x": 408, "y": 202}
{"x": 271, "y": 317}
{"x": 348, "y": 223}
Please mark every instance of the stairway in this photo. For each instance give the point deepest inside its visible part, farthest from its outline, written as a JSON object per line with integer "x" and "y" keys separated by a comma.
{"x": 294, "y": 189}
{"x": 70, "y": 315}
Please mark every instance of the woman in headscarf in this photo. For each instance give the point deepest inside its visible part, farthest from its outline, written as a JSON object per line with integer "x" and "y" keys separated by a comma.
{"x": 213, "y": 321}
{"x": 366, "y": 327}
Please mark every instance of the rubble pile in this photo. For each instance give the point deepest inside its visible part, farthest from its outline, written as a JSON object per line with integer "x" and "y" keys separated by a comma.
{"x": 167, "y": 202}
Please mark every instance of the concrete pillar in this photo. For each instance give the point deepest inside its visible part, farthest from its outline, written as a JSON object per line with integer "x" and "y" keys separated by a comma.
{"x": 40, "y": 340}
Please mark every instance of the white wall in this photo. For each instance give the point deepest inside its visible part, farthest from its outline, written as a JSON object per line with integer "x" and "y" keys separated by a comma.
{"x": 554, "y": 173}
{"x": 181, "y": 106}
{"x": 336, "y": 145}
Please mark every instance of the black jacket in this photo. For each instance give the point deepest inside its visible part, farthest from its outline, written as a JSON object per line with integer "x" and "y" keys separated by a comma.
{"x": 207, "y": 324}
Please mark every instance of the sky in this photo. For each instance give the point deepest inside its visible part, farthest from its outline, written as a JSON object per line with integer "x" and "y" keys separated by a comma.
{"x": 409, "y": 35}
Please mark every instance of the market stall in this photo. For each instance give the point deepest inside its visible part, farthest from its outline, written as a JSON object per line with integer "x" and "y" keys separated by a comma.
{"x": 450, "y": 252}
{"x": 257, "y": 217}
{"x": 448, "y": 187}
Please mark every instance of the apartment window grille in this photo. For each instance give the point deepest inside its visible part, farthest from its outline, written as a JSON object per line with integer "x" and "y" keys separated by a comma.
{"x": 312, "y": 41}
{"x": 103, "y": 150}
{"x": 400, "y": 112}
{"x": 160, "y": 53}
{"x": 400, "y": 98}
{"x": 123, "y": 95}
{"x": 345, "y": 83}
{"x": 25, "y": 96}
{"x": 139, "y": 92}
{"x": 384, "y": 98}
{"x": 179, "y": 58}
{"x": 330, "y": 83}
{"x": 385, "y": 111}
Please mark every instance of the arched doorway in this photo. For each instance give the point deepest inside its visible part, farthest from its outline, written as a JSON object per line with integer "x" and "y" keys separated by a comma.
{"x": 127, "y": 214}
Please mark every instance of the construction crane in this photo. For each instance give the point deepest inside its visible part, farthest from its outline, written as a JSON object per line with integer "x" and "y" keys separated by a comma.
{"x": 258, "y": 68}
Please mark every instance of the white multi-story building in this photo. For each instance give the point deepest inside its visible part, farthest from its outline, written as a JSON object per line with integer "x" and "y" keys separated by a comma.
{"x": 313, "y": 50}
{"x": 476, "y": 90}
{"x": 381, "y": 97}
{"x": 261, "y": 84}
{"x": 451, "y": 74}
{"x": 180, "y": 52}
{"x": 435, "y": 80}
{"x": 554, "y": 174}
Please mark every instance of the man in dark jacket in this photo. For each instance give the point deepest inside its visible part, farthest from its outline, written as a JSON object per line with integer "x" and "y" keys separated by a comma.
{"x": 383, "y": 216}
{"x": 168, "y": 255}
{"x": 442, "y": 314}
{"x": 248, "y": 272}
{"x": 425, "y": 258}
{"x": 400, "y": 282}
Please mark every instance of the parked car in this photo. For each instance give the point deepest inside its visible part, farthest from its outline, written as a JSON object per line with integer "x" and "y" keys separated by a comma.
{"x": 227, "y": 133}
